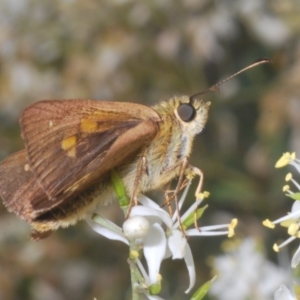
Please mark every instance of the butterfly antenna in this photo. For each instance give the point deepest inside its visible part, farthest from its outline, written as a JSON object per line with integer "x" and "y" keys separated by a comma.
{"x": 215, "y": 87}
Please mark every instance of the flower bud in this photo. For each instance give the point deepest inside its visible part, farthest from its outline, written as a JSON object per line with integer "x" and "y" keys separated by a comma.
{"x": 136, "y": 227}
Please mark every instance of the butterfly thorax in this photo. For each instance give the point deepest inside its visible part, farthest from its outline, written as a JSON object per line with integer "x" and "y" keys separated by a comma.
{"x": 173, "y": 143}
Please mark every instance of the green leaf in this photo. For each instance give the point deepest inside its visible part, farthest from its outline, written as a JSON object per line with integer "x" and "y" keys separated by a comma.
{"x": 295, "y": 196}
{"x": 190, "y": 219}
{"x": 202, "y": 291}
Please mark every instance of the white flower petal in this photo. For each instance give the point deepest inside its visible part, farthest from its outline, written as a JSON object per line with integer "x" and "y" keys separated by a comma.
{"x": 283, "y": 293}
{"x": 112, "y": 235}
{"x": 177, "y": 244}
{"x": 154, "y": 250}
{"x": 296, "y": 206}
{"x": 159, "y": 214}
{"x": 147, "y": 202}
{"x": 190, "y": 266}
{"x": 146, "y": 212}
{"x": 296, "y": 258}
{"x": 168, "y": 253}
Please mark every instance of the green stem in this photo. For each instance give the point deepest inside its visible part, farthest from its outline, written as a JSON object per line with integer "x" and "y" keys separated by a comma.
{"x": 136, "y": 276}
{"x": 137, "y": 280}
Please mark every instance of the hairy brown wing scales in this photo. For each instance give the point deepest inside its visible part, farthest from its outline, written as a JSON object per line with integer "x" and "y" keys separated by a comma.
{"x": 69, "y": 145}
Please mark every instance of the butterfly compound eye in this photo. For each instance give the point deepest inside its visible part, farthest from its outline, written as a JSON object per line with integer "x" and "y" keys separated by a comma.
{"x": 186, "y": 112}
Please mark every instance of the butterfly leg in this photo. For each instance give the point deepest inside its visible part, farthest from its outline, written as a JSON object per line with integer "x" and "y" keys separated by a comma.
{"x": 187, "y": 171}
{"x": 141, "y": 169}
{"x": 168, "y": 199}
{"x": 183, "y": 164}
{"x": 191, "y": 172}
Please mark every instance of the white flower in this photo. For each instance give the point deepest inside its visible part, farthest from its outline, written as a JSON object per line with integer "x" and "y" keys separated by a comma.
{"x": 244, "y": 273}
{"x": 292, "y": 220}
{"x": 283, "y": 293}
{"x": 153, "y": 241}
{"x": 178, "y": 247}
{"x": 160, "y": 235}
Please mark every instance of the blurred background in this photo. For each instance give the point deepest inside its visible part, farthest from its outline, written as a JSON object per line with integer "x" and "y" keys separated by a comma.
{"x": 145, "y": 52}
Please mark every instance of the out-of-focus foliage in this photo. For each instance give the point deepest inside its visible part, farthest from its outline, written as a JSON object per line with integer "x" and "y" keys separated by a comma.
{"x": 146, "y": 51}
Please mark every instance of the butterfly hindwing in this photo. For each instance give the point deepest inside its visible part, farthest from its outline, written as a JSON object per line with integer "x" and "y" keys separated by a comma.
{"x": 18, "y": 186}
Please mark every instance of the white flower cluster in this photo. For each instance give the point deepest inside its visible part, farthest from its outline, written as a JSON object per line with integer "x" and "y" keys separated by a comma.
{"x": 283, "y": 293}
{"x": 152, "y": 229}
{"x": 291, "y": 221}
{"x": 243, "y": 272}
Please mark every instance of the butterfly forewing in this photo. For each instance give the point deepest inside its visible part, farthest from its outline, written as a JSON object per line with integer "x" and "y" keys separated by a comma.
{"x": 72, "y": 143}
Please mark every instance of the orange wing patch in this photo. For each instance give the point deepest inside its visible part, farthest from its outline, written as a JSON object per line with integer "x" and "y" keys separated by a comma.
{"x": 69, "y": 145}
{"x": 88, "y": 126}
